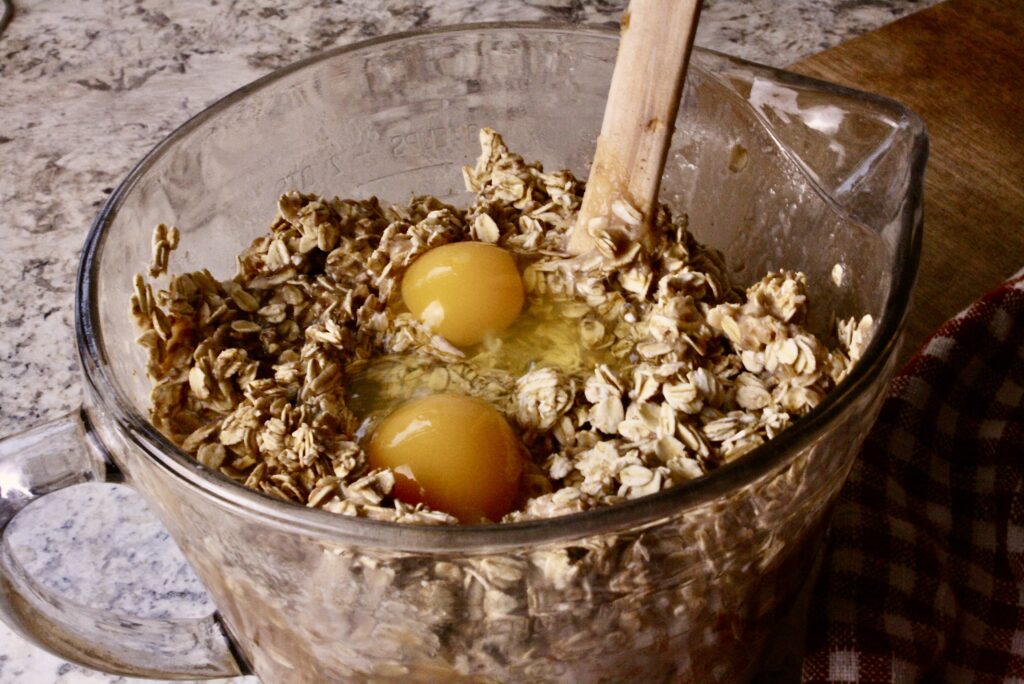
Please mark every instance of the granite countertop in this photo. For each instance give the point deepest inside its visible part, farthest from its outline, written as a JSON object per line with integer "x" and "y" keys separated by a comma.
{"x": 87, "y": 89}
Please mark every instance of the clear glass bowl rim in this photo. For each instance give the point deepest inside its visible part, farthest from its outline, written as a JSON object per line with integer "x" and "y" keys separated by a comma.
{"x": 629, "y": 515}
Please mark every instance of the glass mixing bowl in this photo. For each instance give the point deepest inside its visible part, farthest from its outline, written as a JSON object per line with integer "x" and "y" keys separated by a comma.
{"x": 776, "y": 170}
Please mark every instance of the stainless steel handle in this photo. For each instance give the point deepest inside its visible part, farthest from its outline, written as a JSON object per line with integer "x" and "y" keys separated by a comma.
{"x": 61, "y": 454}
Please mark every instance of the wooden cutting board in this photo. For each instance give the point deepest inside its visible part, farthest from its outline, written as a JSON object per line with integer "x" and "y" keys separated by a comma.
{"x": 960, "y": 66}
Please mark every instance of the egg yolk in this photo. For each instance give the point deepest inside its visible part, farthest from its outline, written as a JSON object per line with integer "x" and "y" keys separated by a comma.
{"x": 464, "y": 291}
{"x": 453, "y": 453}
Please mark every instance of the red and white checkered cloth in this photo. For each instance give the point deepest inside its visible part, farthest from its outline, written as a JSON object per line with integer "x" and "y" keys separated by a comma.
{"x": 924, "y": 575}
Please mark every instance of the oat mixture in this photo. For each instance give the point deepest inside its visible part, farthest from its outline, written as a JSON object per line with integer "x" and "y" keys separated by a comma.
{"x": 655, "y": 368}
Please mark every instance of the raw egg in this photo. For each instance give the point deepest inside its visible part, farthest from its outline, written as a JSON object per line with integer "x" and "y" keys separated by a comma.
{"x": 464, "y": 291}
{"x": 454, "y": 453}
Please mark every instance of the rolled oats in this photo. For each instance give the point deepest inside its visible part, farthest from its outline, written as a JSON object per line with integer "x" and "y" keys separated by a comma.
{"x": 633, "y": 369}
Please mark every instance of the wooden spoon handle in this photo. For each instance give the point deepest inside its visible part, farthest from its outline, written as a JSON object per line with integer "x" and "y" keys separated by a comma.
{"x": 639, "y": 118}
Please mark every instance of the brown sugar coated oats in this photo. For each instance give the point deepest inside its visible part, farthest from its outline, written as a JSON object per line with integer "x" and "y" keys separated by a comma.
{"x": 628, "y": 371}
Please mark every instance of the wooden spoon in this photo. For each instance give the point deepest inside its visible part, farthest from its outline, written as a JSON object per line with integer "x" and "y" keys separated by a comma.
{"x": 639, "y": 119}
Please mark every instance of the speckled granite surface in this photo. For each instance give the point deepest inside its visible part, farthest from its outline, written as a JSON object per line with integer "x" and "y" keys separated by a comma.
{"x": 85, "y": 90}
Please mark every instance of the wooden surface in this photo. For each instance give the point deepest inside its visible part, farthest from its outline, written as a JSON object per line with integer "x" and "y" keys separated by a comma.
{"x": 960, "y": 66}
{"x": 639, "y": 116}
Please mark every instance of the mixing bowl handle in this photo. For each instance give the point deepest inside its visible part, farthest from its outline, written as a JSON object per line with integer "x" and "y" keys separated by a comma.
{"x": 45, "y": 459}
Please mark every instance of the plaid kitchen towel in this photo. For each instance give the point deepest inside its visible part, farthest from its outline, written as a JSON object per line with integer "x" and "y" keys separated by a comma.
{"x": 924, "y": 575}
